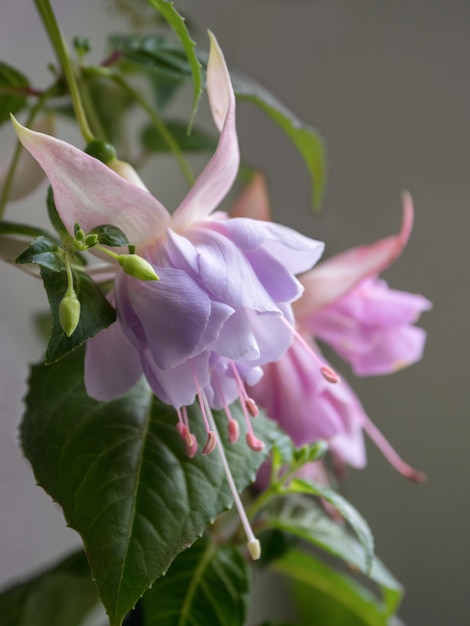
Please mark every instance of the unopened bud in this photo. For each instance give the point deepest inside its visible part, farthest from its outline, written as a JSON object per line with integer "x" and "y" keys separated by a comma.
{"x": 254, "y": 548}
{"x": 91, "y": 240}
{"x": 136, "y": 266}
{"x": 101, "y": 150}
{"x": 69, "y": 312}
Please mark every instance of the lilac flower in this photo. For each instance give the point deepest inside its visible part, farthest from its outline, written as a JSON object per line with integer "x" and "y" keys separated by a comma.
{"x": 222, "y": 306}
{"x": 346, "y": 306}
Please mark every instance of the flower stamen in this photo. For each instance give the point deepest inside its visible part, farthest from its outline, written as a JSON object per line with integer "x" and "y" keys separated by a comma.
{"x": 253, "y": 544}
{"x": 326, "y": 371}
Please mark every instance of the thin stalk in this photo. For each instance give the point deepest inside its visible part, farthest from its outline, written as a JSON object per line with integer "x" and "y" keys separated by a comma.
{"x": 50, "y": 23}
{"x": 155, "y": 119}
{"x": 19, "y": 147}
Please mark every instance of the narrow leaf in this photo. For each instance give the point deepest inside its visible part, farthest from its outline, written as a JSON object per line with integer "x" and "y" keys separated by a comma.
{"x": 350, "y": 514}
{"x": 305, "y": 138}
{"x": 205, "y": 585}
{"x": 176, "y": 22}
{"x": 120, "y": 472}
{"x": 197, "y": 141}
{"x": 301, "y": 517}
{"x": 13, "y": 94}
{"x": 95, "y": 312}
{"x": 326, "y": 596}
{"x": 60, "y": 596}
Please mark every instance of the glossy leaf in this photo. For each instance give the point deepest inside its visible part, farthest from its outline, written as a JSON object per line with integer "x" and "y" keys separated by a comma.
{"x": 60, "y": 596}
{"x": 110, "y": 235}
{"x": 205, "y": 585}
{"x": 347, "y": 511}
{"x": 301, "y": 517}
{"x": 306, "y": 139}
{"x": 95, "y": 315}
{"x": 197, "y": 141}
{"x": 44, "y": 252}
{"x": 326, "y": 596}
{"x": 13, "y": 94}
{"x": 120, "y": 472}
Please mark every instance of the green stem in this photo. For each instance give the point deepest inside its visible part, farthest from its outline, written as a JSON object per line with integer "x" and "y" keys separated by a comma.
{"x": 68, "y": 269}
{"x": 156, "y": 120}
{"x": 16, "y": 154}
{"x": 50, "y": 23}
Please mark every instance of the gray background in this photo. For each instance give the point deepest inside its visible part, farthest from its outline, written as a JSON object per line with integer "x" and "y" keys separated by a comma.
{"x": 387, "y": 85}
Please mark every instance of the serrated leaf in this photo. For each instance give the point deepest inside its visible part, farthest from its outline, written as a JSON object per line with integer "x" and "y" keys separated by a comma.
{"x": 44, "y": 252}
{"x": 13, "y": 94}
{"x": 174, "y": 19}
{"x": 348, "y": 512}
{"x": 306, "y": 139}
{"x": 198, "y": 140}
{"x": 95, "y": 311}
{"x": 110, "y": 235}
{"x": 326, "y": 596}
{"x": 60, "y": 596}
{"x": 120, "y": 473}
{"x": 307, "y": 520}
{"x": 205, "y": 585}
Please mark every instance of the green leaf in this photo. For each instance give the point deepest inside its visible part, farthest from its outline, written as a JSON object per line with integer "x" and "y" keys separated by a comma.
{"x": 307, "y": 520}
{"x": 305, "y": 138}
{"x": 95, "y": 315}
{"x": 60, "y": 596}
{"x": 176, "y": 22}
{"x": 198, "y": 140}
{"x": 55, "y": 218}
{"x": 205, "y": 585}
{"x": 13, "y": 94}
{"x": 44, "y": 252}
{"x": 110, "y": 235}
{"x": 326, "y": 596}
{"x": 120, "y": 473}
{"x": 350, "y": 514}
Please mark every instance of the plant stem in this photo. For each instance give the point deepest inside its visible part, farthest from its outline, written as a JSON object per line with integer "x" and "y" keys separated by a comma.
{"x": 50, "y": 23}
{"x": 16, "y": 154}
{"x": 156, "y": 120}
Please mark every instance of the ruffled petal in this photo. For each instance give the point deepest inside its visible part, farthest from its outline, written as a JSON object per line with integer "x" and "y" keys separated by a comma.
{"x": 177, "y": 386}
{"x": 173, "y": 314}
{"x": 217, "y": 178}
{"x": 112, "y": 364}
{"x": 89, "y": 193}
{"x": 333, "y": 278}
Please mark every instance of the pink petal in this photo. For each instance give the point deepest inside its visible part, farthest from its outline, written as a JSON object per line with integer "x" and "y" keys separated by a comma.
{"x": 217, "y": 178}
{"x": 89, "y": 193}
{"x": 253, "y": 201}
{"x": 333, "y": 278}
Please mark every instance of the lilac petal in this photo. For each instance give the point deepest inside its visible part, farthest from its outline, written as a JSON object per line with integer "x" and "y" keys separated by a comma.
{"x": 112, "y": 364}
{"x": 89, "y": 193}
{"x": 333, "y": 278}
{"x": 173, "y": 313}
{"x": 177, "y": 386}
{"x": 226, "y": 273}
{"x": 272, "y": 336}
{"x": 295, "y": 251}
{"x": 236, "y": 339}
{"x": 215, "y": 181}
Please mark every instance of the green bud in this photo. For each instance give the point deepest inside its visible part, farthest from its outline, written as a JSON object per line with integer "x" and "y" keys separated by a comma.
{"x": 69, "y": 312}
{"x": 136, "y": 266}
{"x": 78, "y": 232}
{"x": 101, "y": 150}
{"x": 91, "y": 240}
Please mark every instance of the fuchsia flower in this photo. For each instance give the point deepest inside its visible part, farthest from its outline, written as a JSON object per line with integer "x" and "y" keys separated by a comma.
{"x": 371, "y": 326}
{"x": 222, "y": 306}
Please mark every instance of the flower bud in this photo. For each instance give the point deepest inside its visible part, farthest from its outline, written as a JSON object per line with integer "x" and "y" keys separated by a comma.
{"x": 91, "y": 240}
{"x": 101, "y": 150}
{"x": 136, "y": 266}
{"x": 69, "y": 312}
